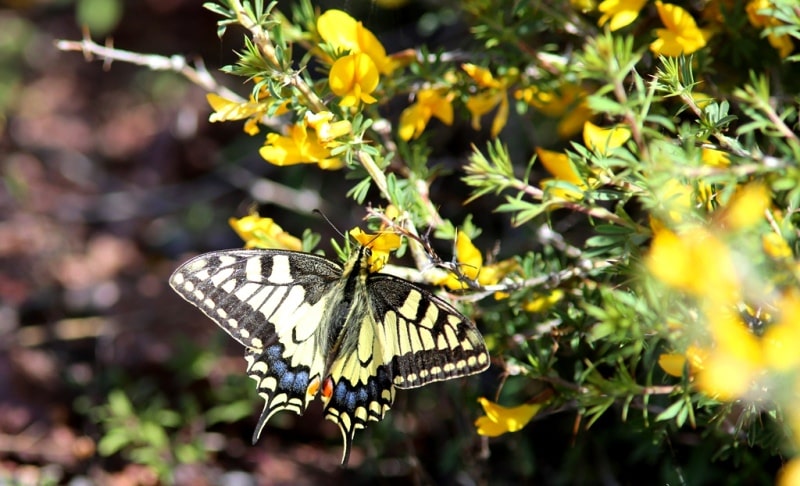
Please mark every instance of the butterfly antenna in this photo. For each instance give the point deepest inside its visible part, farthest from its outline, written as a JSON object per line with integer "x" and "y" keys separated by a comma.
{"x": 330, "y": 223}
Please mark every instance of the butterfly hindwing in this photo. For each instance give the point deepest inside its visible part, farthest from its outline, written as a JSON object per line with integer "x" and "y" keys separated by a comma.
{"x": 430, "y": 339}
{"x": 271, "y": 301}
{"x": 406, "y": 338}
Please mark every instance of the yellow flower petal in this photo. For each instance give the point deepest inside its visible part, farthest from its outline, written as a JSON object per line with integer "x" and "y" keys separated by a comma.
{"x": 776, "y": 246}
{"x": 468, "y": 255}
{"x": 789, "y": 475}
{"x": 604, "y": 140}
{"x": 258, "y": 232}
{"x": 672, "y": 363}
{"x": 620, "y": 12}
{"x": 725, "y": 378}
{"x": 681, "y": 36}
{"x": 482, "y": 76}
{"x": 541, "y": 304}
{"x": 715, "y": 158}
{"x": 430, "y": 102}
{"x": 299, "y": 146}
{"x": 500, "y": 420}
{"x": 501, "y": 118}
{"x": 380, "y": 244}
{"x": 354, "y": 77}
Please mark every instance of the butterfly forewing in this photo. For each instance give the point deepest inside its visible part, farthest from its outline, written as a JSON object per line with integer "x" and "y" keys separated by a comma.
{"x": 311, "y": 327}
{"x": 271, "y": 301}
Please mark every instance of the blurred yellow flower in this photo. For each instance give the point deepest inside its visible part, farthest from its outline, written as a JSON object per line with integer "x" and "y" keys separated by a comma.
{"x": 789, "y": 475}
{"x": 674, "y": 363}
{"x": 544, "y": 302}
{"x": 747, "y": 207}
{"x": 681, "y": 36}
{"x": 381, "y": 244}
{"x": 781, "y": 339}
{"x": 715, "y": 158}
{"x": 604, "y": 140}
{"x": 725, "y": 377}
{"x": 567, "y": 103}
{"x": 776, "y": 246}
{"x": 756, "y": 13}
{"x": 695, "y": 262}
{"x": 254, "y": 111}
{"x": 499, "y": 420}
{"x": 583, "y": 6}
{"x": 620, "y": 12}
{"x": 558, "y": 164}
{"x": 354, "y": 77}
{"x": 429, "y": 103}
{"x": 304, "y": 146}
{"x": 493, "y": 94}
{"x": 258, "y": 232}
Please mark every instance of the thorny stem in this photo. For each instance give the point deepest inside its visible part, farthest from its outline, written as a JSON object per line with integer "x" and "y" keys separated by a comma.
{"x": 197, "y": 75}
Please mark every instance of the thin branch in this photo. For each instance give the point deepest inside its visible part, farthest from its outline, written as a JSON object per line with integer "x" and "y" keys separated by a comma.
{"x": 198, "y": 74}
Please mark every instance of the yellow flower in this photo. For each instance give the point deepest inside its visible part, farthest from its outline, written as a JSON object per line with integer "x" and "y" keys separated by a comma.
{"x": 254, "y": 111}
{"x": 472, "y": 267}
{"x": 304, "y": 146}
{"x": 681, "y": 36}
{"x": 776, "y": 246}
{"x": 344, "y": 33}
{"x": 258, "y": 232}
{"x": 493, "y": 94}
{"x": 604, "y": 140}
{"x": 789, "y": 475}
{"x": 499, "y": 420}
{"x": 695, "y": 262}
{"x": 725, "y": 377}
{"x": 583, "y": 6}
{"x": 674, "y": 363}
{"x": 327, "y": 132}
{"x": 568, "y": 103}
{"x": 715, "y": 158}
{"x": 559, "y": 166}
{"x": 747, "y": 207}
{"x": 620, "y": 12}
{"x": 430, "y": 102}
{"x": 756, "y": 13}
{"x": 780, "y": 339}
{"x": 701, "y": 99}
{"x": 354, "y": 77}
{"x": 541, "y": 304}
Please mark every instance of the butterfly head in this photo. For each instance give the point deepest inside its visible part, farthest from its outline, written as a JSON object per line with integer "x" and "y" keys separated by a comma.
{"x": 376, "y": 247}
